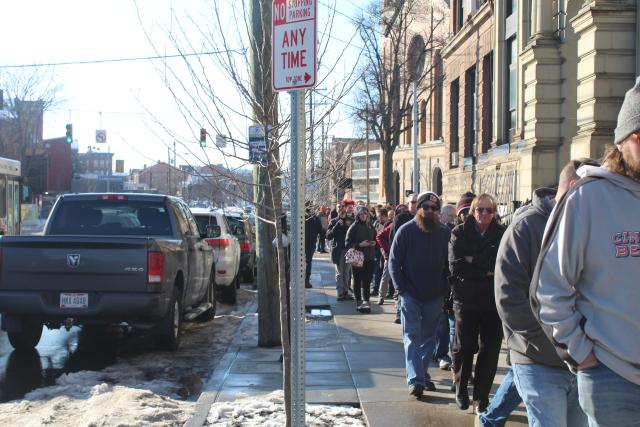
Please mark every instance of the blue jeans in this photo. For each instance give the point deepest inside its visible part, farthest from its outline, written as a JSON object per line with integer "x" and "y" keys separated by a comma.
{"x": 504, "y": 402}
{"x": 550, "y": 395}
{"x": 419, "y": 323}
{"x": 452, "y": 332}
{"x": 442, "y": 340}
{"x": 607, "y": 398}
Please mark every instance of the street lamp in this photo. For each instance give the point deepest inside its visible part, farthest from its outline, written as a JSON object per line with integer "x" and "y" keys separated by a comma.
{"x": 416, "y": 64}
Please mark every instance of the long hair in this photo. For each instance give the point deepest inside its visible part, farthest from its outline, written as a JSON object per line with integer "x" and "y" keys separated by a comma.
{"x": 614, "y": 162}
{"x": 483, "y": 196}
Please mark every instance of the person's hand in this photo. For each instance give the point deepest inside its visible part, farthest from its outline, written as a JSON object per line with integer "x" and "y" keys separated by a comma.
{"x": 365, "y": 244}
{"x": 589, "y": 362}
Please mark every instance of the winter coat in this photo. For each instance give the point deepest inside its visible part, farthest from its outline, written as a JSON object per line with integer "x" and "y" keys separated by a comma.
{"x": 418, "y": 261}
{"x": 359, "y": 232}
{"x": 516, "y": 259}
{"x": 588, "y": 289}
{"x": 472, "y": 287}
{"x": 312, "y": 228}
{"x": 382, "y": 238}
{"x": 337, "y": 234}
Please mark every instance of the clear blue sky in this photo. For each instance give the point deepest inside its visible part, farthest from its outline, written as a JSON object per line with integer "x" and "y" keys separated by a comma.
{"x": 80, "y": 30}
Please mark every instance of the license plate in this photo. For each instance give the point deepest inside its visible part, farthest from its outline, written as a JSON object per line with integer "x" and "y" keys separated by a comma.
{"x": 74, "y": 300}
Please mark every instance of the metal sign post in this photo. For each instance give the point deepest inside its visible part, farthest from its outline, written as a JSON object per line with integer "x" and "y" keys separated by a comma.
{"x": 296, "y": 310}
{"x": 293, "y": 68}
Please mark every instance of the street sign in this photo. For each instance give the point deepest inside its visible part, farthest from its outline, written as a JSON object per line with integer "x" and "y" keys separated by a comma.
{"x": 293, "y": 44}
{"x": 257, "y": 145}
{"x": 101, "y": 136}
{"x": 221, "y": 141}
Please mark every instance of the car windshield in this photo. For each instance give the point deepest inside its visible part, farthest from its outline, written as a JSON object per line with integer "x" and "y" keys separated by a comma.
{"x": 204, "y": 220}
{"x": 111, "y": 217}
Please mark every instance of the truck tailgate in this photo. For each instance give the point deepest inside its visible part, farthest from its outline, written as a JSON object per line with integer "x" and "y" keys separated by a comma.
{"x": 74, "y": 263}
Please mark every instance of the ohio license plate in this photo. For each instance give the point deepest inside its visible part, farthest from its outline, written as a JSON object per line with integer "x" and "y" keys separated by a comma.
{"x": 74, "y": 300}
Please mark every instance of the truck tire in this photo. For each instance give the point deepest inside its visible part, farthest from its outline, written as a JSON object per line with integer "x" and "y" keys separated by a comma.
{"x": 170, "y": 328}
{"x": 210, "y": 298}
{"x": 29, "y": 337}
{"x": 227, "y": 294}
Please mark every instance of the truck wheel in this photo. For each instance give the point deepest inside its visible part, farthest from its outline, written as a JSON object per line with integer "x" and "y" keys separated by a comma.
{"x": 210, "y": 298}
{"x": 227, "y": 294}
{"x": 29, "y": 337}
{"x": 170, "y": 328}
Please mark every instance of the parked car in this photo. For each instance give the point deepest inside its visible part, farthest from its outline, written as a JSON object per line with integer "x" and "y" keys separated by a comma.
{"x": 226, "y": 249}
{"x": 105, "y": 259}
{"x": 243, "y": 229}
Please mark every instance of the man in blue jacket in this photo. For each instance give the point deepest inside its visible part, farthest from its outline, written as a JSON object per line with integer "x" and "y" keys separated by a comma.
{"x": 418, "y": 266}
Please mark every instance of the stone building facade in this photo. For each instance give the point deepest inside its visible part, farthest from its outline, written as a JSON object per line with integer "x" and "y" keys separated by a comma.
{"x": 529, "y": 85}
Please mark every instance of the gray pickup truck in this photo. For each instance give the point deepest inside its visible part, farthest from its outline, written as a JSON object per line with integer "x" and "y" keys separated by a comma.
{"x": 106, "y": 259}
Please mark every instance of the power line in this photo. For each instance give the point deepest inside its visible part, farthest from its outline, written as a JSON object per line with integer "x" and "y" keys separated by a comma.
{"x": 141, "y": 58}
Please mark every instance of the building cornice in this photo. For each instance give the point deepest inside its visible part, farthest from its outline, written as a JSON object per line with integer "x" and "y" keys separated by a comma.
{"x": 472, "y": 24}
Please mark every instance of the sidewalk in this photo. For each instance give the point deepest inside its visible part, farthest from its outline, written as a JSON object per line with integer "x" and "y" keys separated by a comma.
{"x": 351, "y": 359}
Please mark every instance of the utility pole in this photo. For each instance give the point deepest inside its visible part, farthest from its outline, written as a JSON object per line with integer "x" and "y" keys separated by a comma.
{"x": 366, "y": 161}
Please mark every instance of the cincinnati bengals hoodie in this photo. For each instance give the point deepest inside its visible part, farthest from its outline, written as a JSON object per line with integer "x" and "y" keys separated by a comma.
{"x": 588, "y": 291}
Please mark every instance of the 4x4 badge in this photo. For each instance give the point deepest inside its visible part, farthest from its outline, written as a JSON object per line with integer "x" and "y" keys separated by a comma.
{"x": 73, "y": 260}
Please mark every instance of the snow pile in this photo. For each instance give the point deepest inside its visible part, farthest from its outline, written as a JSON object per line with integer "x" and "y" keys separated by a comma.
{"x": 268, "y": 411}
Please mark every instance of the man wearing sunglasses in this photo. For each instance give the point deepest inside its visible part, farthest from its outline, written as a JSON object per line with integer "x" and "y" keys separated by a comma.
{"x": 418, "y": 266}
{"x": 587, "y": 289}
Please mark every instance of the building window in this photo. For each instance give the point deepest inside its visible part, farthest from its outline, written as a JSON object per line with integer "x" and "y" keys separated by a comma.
{"x": 487, "y": 101}
{"x": 512, "y": 7}
{"x": 511, "y": 84}
{"x": 470, "y": 99}
{"x": 454, "y": 115}
{"x": 437, "y": 98}
{"x": 460, "y": 12}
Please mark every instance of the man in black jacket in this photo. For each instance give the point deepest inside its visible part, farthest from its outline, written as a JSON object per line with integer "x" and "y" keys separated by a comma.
{"x": 336, "y": 233}
{"x": 548, "y": 389}
{"x": 312, "y": 228}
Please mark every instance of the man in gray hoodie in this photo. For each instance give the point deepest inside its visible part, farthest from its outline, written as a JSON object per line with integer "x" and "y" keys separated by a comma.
{"x": 549, "y": 390}
{"x": 588, "y": 277}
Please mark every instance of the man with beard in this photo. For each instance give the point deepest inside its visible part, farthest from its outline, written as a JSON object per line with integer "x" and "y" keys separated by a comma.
{"x": 585, "y": 288}
{"x": 418, "y": 266}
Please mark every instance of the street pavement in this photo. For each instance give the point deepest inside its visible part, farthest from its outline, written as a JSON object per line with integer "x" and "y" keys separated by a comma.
{"x": 351, "y": 359}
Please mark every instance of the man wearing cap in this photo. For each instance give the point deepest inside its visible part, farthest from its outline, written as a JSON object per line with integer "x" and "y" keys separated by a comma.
{"x": 463, "y": 206}
{"x": 418, "y": 266}
{"x": 588, "y": 288}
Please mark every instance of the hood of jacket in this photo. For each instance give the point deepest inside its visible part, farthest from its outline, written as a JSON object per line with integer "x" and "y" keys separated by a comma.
{"x": 617, "y": 179}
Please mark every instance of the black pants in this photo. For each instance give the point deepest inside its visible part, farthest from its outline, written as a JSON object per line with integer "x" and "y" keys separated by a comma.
{"x": 471, "y": 325}
{"x": 322, "y": 239}
{"x": 308, "y": 252}
{"x": 361, "y": 279}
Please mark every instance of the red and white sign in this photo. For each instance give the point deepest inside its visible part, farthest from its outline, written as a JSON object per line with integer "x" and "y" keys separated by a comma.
{"x": 293, "y": 46}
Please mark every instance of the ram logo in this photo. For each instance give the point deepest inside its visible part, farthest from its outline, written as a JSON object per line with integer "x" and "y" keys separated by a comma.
{"x": 73, "y": 260}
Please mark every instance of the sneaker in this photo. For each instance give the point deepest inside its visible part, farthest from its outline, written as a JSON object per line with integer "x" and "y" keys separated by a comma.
{"x": 348, "y": 297}
{"x": 380, "y": 301}
{"x": 429, "y": 386}
{"x": 374, "y": 293}
{"x": 444, "y": 364}
{"x": 480, "y": 406}
{"x": 340, "y": 298}
{"x": 307, "y": 285}
{"x": 417, "y": 390}
{"x": 398, "y": 320}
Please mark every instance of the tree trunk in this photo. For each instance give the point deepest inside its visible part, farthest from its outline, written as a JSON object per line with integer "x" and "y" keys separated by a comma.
{"x": 389, "y": 185}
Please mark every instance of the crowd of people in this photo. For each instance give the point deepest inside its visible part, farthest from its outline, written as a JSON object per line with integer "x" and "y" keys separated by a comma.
{"x": 559, "y": 284}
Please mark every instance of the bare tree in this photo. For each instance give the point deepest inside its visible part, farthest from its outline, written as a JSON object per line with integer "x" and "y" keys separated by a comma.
{"x": 391, "y": 32}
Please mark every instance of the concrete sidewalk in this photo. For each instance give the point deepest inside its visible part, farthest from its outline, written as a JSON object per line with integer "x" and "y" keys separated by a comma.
{"x": 351, "y": 359}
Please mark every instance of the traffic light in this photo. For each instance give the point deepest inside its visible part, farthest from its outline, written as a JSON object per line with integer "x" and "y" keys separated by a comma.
{"x": 69, "y": 136}
{"x": 203, "y": 137}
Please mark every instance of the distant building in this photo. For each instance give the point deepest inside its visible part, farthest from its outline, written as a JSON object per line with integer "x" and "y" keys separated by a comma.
{"x": 58, "y": 165}
{"x": 95, "y": 163}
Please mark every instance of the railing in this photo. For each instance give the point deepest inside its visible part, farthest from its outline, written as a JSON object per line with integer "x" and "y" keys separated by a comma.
{"x": 503, "y": 187}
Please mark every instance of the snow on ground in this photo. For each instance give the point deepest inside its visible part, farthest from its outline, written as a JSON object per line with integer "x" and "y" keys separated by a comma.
{"x": 268, "y": 411}
{"x": 146, "y": 387}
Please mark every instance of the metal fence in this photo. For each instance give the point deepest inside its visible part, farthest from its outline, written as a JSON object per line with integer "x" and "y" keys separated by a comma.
{"x": 503, "y": 187}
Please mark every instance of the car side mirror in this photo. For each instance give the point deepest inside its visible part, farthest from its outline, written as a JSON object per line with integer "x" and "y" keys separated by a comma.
{"x": 213, "y": 231}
